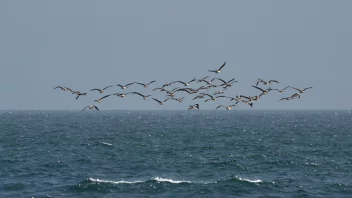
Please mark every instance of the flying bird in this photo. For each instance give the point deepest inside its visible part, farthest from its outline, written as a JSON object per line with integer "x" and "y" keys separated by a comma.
{"x": 80, "y": 94}
{"x": 64, "y": 88}
{"x": 99, "y": 100}
{"x": 125, "y": 86}
{"x": 101, "y": 90}
{"x": 226, "y": 107}
{"x": 282, "y": 90}
{"x": 161, "y": 102}
{"x": 196, "y": 106}
{"x": 90, "y": 107}
{"x": 145, "y": 85}
{"x": 266, "y": 82}
{"x": 218, "y": 70}
{"x": 143, "y": 96}
{"x": 264, "y": 92}
{"x": 301, "y": 90}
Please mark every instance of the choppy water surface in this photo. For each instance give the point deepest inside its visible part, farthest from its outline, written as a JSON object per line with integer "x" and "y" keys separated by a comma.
{"x": 176, "y": 154}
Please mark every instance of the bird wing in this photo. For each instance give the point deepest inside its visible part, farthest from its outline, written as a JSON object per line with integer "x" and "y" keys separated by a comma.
{"x": 273, "y": 81}
{"x": 258, "y": 88}
{"x": 192, "y": 80}
{"x": 296, "y": 89}
{"x": 307, "y": 88}
{"x": 69, "y": 89}
{"x": 285, "y": 87}
{"x": 107, "y": 87}
{"x": 96, "y": 107}
{"x": 222, "y": 65}
{"x": 84, "y": 108}
{"x": 212, "y": 70}
{"x": 242, "y": 96}
{"x": 138, "y": 94}
{"x": 231, "y": 80}
{"x": 151, "y": 82}
{"x": 77, "y": 97}
{"x": 119, "y": 85}
{"x": 95, "y": 89}
{"x": 221, "y": 80}
{"x": 128, "y": 84}
{"x": 139, "y": 83}
{"x": 157, "y": 100}
{"x": 220, "y": 106}
{"x": 258, "y": 81}
{"x": 58, "y": 87}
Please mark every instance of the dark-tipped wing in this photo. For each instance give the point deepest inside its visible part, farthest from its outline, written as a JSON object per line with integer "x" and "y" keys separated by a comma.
{"x": 151, "y": 82}
{"x": 107, "y": 87}
{"x": 157, "y": 100}
{"x": 84, "y": 108}
{"x": 274, "y": 81}
{"x": 138, "y": 94}
{"x": 96, "y": 107}
{"x": 58, "y": 87}
{"x": 95, "y": 90}
{"x": 258, "y": 88}
{"x": 221, "y": 80}
{"x": 223, "y": 65}
{"x": 128, "y": 84}
{"x": 307, "y": 88}
{"x": 220, "y": 106}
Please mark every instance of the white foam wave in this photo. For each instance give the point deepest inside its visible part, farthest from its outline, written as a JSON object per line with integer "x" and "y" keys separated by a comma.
{"x": 107, "y": 143}
{"x": 170, "y": 180}
{"x": 249, "y": 180}
{"x": 114, "y": 182}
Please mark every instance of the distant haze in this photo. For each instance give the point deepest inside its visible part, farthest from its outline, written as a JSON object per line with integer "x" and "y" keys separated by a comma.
{"x": 93, "y": 44}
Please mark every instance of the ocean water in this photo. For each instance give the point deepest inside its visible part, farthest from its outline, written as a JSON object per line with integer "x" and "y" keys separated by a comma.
{"x": 248, "y": 153}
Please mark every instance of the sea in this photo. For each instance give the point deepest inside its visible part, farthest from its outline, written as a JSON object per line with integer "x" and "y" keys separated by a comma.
{"x": 195, "y": 153}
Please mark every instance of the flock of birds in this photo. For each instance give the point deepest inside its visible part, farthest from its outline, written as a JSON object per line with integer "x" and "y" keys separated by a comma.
{"x": 202, "y": 92}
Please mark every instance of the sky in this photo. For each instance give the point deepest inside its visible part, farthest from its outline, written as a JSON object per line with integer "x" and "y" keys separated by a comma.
{"x": 86, "y": 44}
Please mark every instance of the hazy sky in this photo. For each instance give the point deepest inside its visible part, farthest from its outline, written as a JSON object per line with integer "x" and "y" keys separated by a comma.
{"x": 93, "y": 44}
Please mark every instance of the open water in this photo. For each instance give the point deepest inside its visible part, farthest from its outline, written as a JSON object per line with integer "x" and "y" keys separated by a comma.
{"x": 248, "y": 153}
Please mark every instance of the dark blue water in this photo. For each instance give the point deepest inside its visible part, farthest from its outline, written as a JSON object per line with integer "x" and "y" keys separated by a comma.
{"x": 176, "y": 154}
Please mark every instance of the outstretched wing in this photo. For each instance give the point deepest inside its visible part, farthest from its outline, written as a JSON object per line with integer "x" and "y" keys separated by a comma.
{"x": 96, "y": 107}
{"x": 258, "y": 88}
{"x": 58, "y": 87}
{"x": 222, "y": 65}
{"x": 157, "y": 100}
{"x": 151, "y": 82}
{"x": 107, "y": 87}
{"x": 128, "y": 84}
{"x": 137, "y": 93}
{"x": 84, "y": 108}
{"x": 307, "y": 88}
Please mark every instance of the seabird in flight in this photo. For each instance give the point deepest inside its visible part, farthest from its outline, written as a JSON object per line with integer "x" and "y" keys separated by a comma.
{"x": 301, "y": 90}
{"x": 101, "y": 90}
{"x": 91, "y": 107}
{"x": 145, "y": 85}
{"x": 143, "y": 96}
{"x": 126, "y": 86}
{"x": 218, "y": 70}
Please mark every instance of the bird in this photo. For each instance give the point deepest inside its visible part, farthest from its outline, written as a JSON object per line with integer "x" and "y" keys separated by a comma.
{"x": 64, "y": 88}
{"x": 247, "y": 102}
{"x": 184, "y": 83}
{"x": 101, "y": 90}
{"x": 196, "y": 106}
{"x": 301, "y": 90}
{"x": 91, "y": 107}
{"x": 212, "y": 97}
{"x": 296, "y": 95}
{"x": 281, "y": 90}
{"x": 145, "y": 85}
{"x": 229, "y": 107}
{"x": 264, "y": 92}
{"x": 80, "y": 94}
{"x": 228, "y": 83}
{"x": 266, "y": 82}
{"x": 121, "y": 94}
{"x": 99, "y": 100}
{"x": 218, "y": 70}
{"x": 208, "y": 82}
{"x": 144, "y": 97}
{"x": 161, "y": 102}
{"x": 125, "y": 86}
{"x": 200, "y": 80}
{"x": 286, "y": 98}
